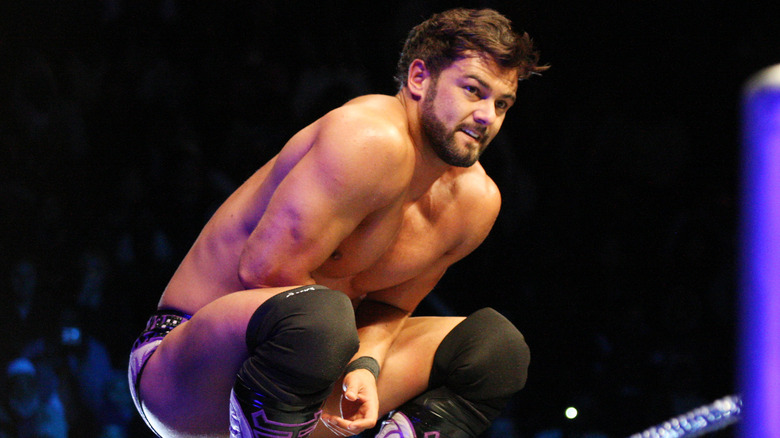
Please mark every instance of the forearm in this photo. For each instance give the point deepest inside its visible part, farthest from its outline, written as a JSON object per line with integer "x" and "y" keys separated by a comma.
{"x": 378, "y": 325}
{"x": 268, "y": 259}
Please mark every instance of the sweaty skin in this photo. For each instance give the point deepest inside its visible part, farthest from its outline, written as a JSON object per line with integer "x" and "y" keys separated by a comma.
{"x": 361, "y": 201}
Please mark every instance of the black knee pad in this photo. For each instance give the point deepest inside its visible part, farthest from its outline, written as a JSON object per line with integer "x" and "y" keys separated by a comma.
{"x": 299, "y": 342}
{"x": 484, "y": 360}
{"x": 478, "y": 366}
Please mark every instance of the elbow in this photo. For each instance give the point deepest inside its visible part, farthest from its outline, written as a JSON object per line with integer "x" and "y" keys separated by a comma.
{"x": 249, "y": 278}
{"x": 261, "y": 270}
{"x": 253, "y": 277}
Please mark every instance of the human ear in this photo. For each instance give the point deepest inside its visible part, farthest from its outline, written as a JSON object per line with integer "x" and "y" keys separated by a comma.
{"x": 417, "y": 78}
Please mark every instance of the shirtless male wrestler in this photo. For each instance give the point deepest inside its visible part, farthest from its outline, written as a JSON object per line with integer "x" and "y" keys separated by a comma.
{"x": 292, "y": 309}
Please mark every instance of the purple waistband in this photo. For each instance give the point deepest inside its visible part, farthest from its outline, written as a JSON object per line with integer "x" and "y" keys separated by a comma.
{"x": 160, "y": 324}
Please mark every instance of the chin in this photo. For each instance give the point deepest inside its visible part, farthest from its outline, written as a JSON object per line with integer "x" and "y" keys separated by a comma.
{"x": 461, "y": 161}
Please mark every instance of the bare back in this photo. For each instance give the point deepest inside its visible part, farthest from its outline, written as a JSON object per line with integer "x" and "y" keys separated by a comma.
{"x": 416, "y": 229}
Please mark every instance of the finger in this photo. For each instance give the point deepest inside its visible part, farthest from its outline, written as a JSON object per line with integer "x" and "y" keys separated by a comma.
{"x": 337, "y": 432}
{"x": 362, "y": 424}
{"x": 335, "y": 420}
{"x": 340, "y": 426}
{"x": 354, "y": 426}
{"x": 333, "y": 428}
{"x": 341, "y": 406}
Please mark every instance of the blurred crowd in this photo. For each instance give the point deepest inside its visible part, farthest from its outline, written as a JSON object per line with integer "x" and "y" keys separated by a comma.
{"x": 124, "y": 124}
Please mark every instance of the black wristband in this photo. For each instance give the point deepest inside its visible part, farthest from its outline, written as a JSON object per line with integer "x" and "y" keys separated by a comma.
{"x": 365, "y": 363}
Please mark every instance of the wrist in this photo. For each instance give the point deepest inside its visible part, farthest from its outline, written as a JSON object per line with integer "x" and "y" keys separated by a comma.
{"x": 365, "y": 363}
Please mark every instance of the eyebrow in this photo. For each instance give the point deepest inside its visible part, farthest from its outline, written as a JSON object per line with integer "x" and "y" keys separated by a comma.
{"x": 510, "y": 96}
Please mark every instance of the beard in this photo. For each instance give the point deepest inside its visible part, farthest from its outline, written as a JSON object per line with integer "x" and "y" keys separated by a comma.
{"x": 442, "y": 140}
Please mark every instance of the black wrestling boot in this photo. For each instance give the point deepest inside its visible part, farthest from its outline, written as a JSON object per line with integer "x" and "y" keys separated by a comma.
{"x": 436, "y": 414}
{"x": 255, "y": 415}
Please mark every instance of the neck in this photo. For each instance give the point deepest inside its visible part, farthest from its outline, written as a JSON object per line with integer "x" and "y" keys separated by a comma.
{"x": 428, "y": 166}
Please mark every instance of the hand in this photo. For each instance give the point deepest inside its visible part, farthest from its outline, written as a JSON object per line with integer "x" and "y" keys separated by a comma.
{"x": 358, "y": 405}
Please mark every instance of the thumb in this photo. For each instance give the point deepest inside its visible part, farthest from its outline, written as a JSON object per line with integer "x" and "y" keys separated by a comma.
{"x": 350, "y": 393}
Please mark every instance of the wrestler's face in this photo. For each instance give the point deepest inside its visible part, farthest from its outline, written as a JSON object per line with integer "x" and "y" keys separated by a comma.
{"x": 464, "y": 108}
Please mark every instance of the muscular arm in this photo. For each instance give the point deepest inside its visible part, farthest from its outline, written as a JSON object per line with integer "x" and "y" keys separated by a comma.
{"x": 354, "y": 407}
{"x": 331, "y": 177}
{"x": 382, "y": 314}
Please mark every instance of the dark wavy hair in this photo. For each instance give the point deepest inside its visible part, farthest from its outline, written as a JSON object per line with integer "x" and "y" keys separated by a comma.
{"x": 447, "y": 36}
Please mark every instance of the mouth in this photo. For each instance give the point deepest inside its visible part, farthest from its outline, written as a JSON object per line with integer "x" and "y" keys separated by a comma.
{"x": 474, "y": 133}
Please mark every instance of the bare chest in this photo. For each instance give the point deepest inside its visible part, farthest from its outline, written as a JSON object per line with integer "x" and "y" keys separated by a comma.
{"x": 389, "y": 251}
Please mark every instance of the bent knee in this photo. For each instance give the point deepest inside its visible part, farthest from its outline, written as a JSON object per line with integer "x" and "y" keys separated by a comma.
{"x": 483, "y": 357}
{"x": 299, "y": 343}
{"x": 317, "y": 318}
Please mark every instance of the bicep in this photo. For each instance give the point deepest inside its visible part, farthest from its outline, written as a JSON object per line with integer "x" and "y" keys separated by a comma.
{"x": 306, "y": 218}
{"x": 322, "y": 198}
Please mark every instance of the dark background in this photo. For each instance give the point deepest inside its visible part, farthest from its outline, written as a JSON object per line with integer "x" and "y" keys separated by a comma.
{"x": 124, "y": 124}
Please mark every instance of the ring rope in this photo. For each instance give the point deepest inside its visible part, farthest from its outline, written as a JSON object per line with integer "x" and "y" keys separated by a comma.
{"x": 700, "y": 421}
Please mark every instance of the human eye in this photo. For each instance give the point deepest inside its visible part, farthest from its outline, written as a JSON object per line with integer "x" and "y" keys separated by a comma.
{"x": 471, "y": 89}
{"x": 503, "y": 105}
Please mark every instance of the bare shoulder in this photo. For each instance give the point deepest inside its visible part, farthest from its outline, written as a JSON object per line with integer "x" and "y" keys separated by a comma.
{"x": 374, "y": 123}
{"x": 364, "y": 146}
{"x": 478, "y": 201}
{"x": 476, "y": 189}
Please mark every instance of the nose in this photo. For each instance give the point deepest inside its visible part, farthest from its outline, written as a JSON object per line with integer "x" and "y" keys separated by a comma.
{"x": 486, "y": 113}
